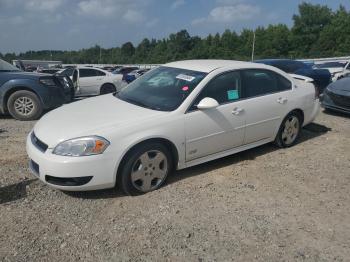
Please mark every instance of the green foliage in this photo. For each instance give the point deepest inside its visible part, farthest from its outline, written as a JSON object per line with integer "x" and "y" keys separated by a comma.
{"x": 317, "y": 32}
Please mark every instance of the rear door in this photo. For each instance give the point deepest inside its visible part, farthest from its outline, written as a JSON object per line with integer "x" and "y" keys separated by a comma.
{"x": 268, "y": 97}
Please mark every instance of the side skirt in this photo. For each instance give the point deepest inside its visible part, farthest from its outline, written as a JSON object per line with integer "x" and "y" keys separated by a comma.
{"x": 225, "y": 153}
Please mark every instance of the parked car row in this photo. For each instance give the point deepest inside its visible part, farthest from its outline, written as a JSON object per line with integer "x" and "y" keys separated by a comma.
{"x": 92, "y": 81}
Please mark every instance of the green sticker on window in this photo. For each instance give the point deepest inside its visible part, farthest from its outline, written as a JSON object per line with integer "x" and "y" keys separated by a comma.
{"x": 232, "y": 94}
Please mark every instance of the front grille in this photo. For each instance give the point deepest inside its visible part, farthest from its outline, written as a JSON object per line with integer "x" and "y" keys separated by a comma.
{"x": 339, "y": 100}
{"x": 38, "y": 143}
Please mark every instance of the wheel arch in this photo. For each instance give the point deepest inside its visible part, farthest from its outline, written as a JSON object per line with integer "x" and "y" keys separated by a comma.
{"x": 300, "y": 113}
{"x": 107, "y": 83}
{"x": 12, "y": 90}
{"x": 164, "y": 141}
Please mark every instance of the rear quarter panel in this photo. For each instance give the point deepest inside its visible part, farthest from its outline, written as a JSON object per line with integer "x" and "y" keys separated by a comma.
{"x": 304, "y": 99}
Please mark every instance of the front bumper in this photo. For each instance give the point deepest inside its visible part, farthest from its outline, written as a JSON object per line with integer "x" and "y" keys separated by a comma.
{"x": 93, "y": 172}
{"x": 328, "y": 103}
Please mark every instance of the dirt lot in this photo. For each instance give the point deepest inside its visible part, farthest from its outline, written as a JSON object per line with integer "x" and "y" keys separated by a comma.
{"x": 264, "y": 204}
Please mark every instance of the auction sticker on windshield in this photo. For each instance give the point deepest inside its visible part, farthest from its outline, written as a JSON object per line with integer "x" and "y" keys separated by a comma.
{"x": 186, "y": 77}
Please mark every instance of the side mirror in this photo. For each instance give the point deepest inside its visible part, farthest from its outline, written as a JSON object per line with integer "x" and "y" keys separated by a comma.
{"x": 207, "y": 103}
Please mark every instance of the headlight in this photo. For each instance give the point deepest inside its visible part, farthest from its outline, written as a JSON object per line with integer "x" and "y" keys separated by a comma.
{"x": 47, "y": 81}
{"x": 83, "y": 146}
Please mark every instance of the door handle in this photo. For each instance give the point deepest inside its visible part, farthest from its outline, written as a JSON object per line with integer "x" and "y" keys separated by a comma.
{"x": 237, "y": 111}
{"x": 282, "y": 100}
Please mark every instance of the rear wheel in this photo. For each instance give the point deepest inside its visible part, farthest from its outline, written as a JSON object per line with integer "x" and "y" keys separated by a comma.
{"x": 24, "y": 105}
{"x": 145, "y": 169}
{"x": 289, "y": 131}
{"x": 107, "y": 88}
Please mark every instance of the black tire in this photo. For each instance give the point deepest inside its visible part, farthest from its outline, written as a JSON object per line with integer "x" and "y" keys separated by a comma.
{"x": 33, "y": 103}
{"x": 281, "y": 140}
{"x": 124, "y": 179}
{"x": 107, "y": 89}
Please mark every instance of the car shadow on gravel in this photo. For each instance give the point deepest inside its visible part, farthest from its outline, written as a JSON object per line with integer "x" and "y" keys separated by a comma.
{"x": 309, "y": 132}
{"x": 5, "y": 116}
{"x": 15, "y": 191}
{"x": 97, "y": 194}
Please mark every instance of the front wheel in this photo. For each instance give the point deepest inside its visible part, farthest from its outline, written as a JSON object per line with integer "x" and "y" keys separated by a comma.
{"x": 289, "y": 131}
{"x": 145, "y": 169}
{"x": 24, "y": 105}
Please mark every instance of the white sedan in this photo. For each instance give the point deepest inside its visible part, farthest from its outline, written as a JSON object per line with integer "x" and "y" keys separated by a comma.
{"x": 178, "y": 115}
{"x": 89, "y": 81}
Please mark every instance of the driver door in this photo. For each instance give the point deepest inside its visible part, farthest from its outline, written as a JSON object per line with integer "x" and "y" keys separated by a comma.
{"x": 218, "y": 129}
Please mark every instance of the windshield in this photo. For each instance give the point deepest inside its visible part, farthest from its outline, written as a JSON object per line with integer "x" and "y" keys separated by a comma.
{"x": 6, "y": 67}
{"x": 163, "y": 88}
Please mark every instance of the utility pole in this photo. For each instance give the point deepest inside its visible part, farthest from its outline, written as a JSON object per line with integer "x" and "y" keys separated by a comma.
{"x": 100, "y": 55}
{"x": 253, "y": 47}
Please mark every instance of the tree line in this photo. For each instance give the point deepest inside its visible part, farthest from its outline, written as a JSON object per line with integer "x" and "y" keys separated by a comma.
{"x": 317, "y": 31}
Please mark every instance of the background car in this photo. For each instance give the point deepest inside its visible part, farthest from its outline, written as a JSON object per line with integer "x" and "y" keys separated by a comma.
{"x": 89, "y": 81}
{"x": 25, "y": 95}
{"x": 337, "y": 96}
{"x": 322, "y": 77}
{"x": 176, "y": 116}
{"x": 135, "y": 74}
{"x": 338, "y": 70}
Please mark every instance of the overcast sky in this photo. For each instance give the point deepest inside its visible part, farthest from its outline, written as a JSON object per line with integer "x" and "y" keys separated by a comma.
{"x": 74, "y": 24}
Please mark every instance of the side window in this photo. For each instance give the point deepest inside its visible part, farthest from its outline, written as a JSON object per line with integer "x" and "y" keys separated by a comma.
{"x": 99, "y": 73}
{"x": 283, "y": 83}
{"x": 223, "y": 88}
{"x": 87, "y": 72}
{"x": 257, "y": 82}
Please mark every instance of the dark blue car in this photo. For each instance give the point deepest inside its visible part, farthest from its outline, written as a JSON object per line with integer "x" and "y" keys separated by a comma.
{"x": 26, "y": 95}
{"x": 322, "y": 77}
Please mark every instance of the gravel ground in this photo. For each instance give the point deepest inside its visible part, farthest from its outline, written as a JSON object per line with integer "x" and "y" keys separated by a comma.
{"x": 265, "y": 204}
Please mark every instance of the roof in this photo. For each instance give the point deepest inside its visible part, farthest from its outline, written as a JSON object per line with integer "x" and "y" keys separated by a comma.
{"x": 209, "y": 65}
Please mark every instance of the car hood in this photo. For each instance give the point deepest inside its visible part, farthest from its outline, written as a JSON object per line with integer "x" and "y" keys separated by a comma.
{"x": 342, "y": 85}
{"x": 93, "y": 116}
{"x": 21, "y": 74}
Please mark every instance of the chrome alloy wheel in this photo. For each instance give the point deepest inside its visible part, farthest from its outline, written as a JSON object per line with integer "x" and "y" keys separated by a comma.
{"x": 24, "y": 105}
{"x": 149, "y": 170}
{"x": 291, "y": 130}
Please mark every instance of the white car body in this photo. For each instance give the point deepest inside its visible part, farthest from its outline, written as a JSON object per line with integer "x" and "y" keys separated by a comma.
{"x": 90, "y": 81}
{"x": 198, "y": 136}
{"x": 339, "y": 72}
